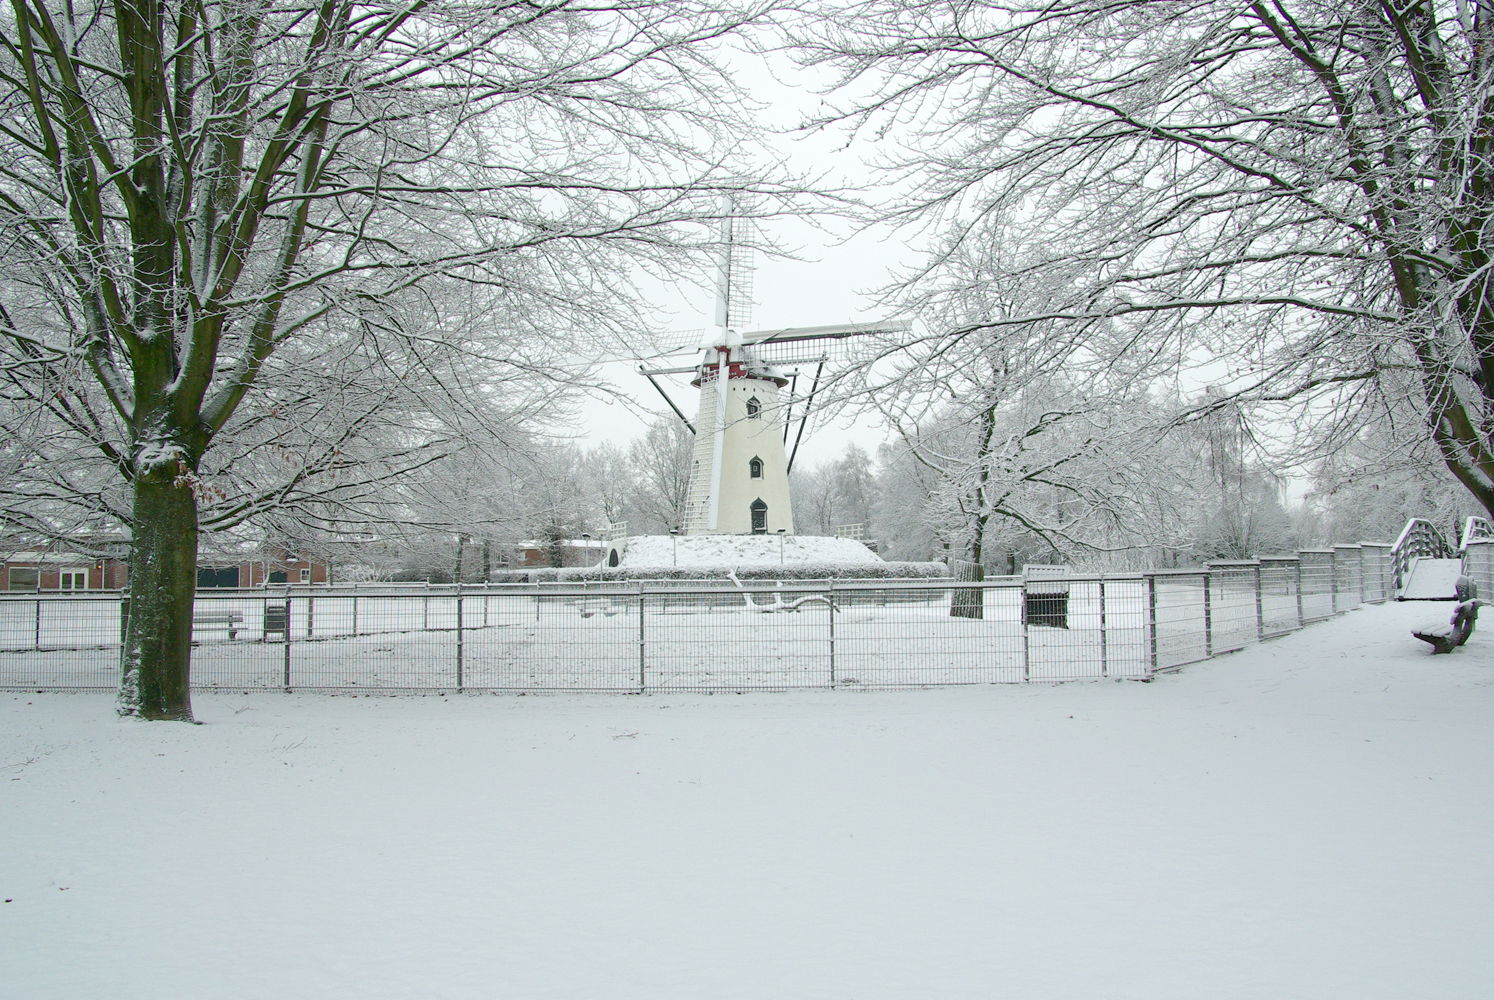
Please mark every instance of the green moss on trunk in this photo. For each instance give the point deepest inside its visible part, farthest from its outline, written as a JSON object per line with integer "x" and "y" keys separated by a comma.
{"x": 156, "y": 658}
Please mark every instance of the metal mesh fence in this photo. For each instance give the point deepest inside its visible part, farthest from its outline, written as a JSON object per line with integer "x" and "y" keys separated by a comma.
{"x": 1348, "y": 580}
{"x": 1316, "y": 584}
{"x": 1375, "y": 571}
{"x": 1281, "y": 595}
{"x": 681, "y": 635}
{"x": 1478, "y": 564}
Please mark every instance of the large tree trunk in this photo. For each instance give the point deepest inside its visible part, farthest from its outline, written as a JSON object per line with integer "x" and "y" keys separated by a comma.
{"x": 461, "y": 550}
{"x": 967, "y": 602}
{"x": 156, "y": 657}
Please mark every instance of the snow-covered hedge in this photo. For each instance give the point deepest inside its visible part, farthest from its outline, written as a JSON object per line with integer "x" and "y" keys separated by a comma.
{"x": 798, "y": 571}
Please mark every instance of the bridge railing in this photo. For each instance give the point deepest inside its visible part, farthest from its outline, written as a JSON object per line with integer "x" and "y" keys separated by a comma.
{"x": 1418, "y": 539}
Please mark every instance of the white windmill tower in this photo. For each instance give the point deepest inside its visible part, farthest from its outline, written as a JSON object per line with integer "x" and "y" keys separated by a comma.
{"x": 740, "y": 465}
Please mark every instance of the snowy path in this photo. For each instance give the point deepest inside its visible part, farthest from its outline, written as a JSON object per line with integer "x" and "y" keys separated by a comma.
{"x": 1311, "y": 818}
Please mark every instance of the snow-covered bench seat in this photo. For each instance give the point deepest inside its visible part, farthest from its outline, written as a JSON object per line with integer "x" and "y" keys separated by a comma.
{"x": 1444, "y": 638}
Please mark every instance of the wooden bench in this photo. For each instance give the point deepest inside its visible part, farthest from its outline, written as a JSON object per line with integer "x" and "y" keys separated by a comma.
{"x": 1444, "y": 638}
{"x": 229, "y": 620}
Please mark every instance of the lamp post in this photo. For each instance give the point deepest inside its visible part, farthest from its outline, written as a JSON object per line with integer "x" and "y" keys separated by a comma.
{"x": 674, "y": 541}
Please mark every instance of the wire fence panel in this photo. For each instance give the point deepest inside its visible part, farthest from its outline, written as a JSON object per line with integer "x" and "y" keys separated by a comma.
{"x": 1376, "y": 572}
{"x": 757, "y": 638}
{"x": 1479, "y": 565}
{"x": 1127, "y": 628}
{"x": 684, "y": 635}
{"x": 1180, "y": 618}
{"x": 1281, "y": 606}
{"x": 555, "y": 640}
{"x": 929, "y": 635}
{"x": 59, "y": 642}
{"x": 1317, "y": 589}
{"x": 1066, "y": 623}
{"x": 1235, "y": 609}
{"x": 1348, "y": 577}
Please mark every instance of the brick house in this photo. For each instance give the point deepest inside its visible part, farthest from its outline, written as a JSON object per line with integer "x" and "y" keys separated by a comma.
{"x": 63, "y": 567}
{"x": 269, "y": 566}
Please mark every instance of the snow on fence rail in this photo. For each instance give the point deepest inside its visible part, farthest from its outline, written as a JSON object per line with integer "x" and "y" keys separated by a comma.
{"x": 685, "y": 636}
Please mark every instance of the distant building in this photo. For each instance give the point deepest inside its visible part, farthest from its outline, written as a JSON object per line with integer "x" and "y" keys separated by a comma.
{"x": 62, "y": 569}
{"x": 64, "y": 566}
{"x": 267, "y": 566}
{"x": 573, "y": 552}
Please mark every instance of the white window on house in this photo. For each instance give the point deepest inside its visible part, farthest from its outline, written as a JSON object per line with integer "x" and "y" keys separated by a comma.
{"x": 755, "y": 468}
{"x": 72, "y": 579}
{"x": 754, "y": 408}
{"x": 306, "y": 576}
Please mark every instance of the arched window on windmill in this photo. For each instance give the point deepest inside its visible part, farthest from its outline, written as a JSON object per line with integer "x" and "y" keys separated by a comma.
{"x": 759, "y": 517}
{"x": 754, "y": 408}
{"x": 755, "y": 467}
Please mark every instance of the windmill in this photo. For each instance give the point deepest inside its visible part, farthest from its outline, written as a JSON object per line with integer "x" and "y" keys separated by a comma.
{"x": 741, "y": 461}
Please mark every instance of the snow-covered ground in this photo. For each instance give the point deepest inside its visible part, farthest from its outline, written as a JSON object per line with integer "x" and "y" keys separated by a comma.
{"x": 655, "y": 551}
{"x": 1309, "y": 818}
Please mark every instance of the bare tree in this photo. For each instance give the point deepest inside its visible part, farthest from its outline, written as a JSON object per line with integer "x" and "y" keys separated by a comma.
{"x": 660, "y": 466}
{"x": 1291, "y": 200}
{"x": 189, "y": 187}
{"x": 835, "y": 493}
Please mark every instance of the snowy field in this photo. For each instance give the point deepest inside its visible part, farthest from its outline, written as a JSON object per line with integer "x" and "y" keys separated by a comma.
{"x": 1309, "y": 818}
{"x": 620, "y": 640}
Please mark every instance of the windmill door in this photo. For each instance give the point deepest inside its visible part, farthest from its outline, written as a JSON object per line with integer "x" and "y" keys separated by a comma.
{"x": 759, "y": 517}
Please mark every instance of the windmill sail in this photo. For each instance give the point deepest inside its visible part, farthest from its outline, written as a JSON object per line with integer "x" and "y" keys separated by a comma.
{"x": 739, "y": 469}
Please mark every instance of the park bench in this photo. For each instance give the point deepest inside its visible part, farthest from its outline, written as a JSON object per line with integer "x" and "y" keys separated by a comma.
{"x": 230, "y": 621}
{"x": 1444, "y": 638}
{"x": 599, "y": 606}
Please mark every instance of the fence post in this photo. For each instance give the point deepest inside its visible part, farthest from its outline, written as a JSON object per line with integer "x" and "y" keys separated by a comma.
{"x": 1208, "y": 578}
{"x": 310, "y": 613}
{"x": 1151, "y": 622}
{"x": 287, "y": 642}
{"x": 1333, "y": 567}
{"x": 355, "y": 614}
{"x": 642, "y": 654}
{"x": 1026, "y": 633}
{"x": 459, "y": 637}
{"x": 832, "y": 633}
{"x": 124, "y": 618}
{"x": 1260, "y": 611}
{"x": 1104, "y": 651}
{"x": 1300, "y": 622}
{"x": 36, "y": 641}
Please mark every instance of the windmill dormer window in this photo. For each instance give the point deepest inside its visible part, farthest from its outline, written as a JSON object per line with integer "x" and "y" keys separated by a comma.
{"x": 755, "y": 468}
{"x": 759, "y": 512}
{"x": 754, "y": 408}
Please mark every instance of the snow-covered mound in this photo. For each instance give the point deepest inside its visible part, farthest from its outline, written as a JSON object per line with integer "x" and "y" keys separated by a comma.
{"x": 661, "y": 551}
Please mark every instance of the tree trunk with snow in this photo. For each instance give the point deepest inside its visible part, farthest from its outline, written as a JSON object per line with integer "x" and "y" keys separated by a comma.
{"x": 156, "y": 659}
